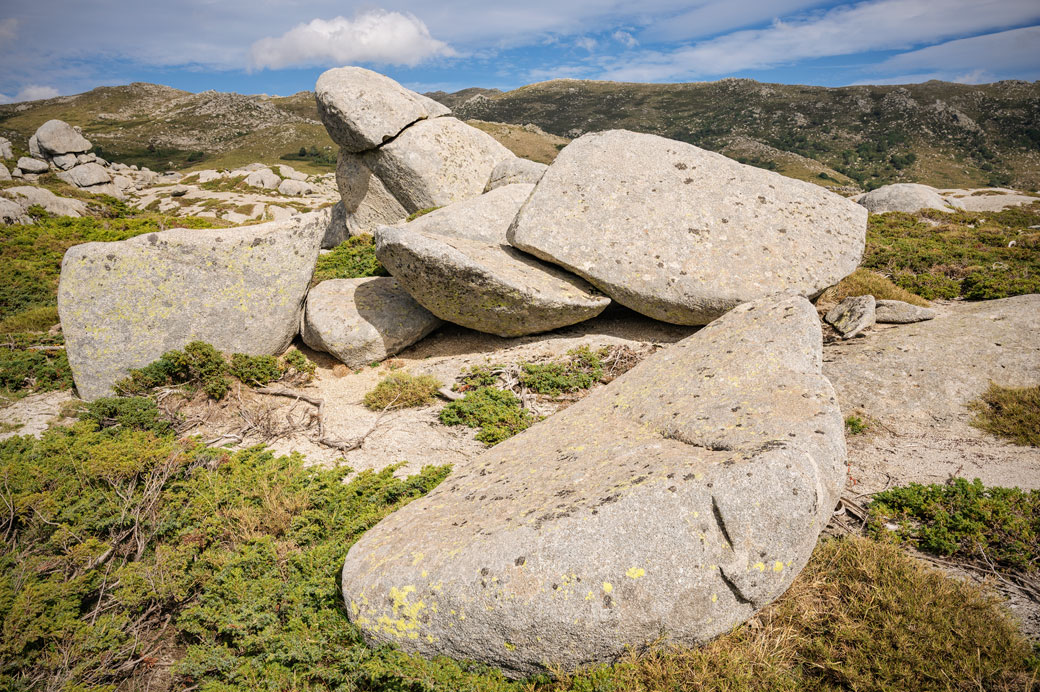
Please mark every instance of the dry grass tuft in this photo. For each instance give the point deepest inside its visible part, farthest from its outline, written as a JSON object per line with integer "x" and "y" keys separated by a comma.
{"x": 1009, "y": 412}
{"x": 401, "y": 389}
{"x": 865, "y": 282}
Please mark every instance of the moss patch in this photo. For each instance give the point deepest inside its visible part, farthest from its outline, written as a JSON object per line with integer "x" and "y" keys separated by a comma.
{"x": 1010, "y": 412}
{"x": 580, "y": 369}
{"x": 422, "y": 212}
{"x": 353, "y": 259}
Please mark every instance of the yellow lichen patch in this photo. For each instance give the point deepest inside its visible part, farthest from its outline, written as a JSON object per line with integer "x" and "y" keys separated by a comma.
{"x": 416, "y": 558}
{"x": 509, "y": 646}
{"x": 607, "y": 587}
{"x": 778, "y": 566}
{"x": 714, "y": 598}
{"x": 589, "y": 596}
{"x": 635, "y": 572}
{"x": 760, "y": 566}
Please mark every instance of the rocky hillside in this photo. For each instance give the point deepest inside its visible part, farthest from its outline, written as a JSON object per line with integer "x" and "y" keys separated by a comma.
{"x": 937, "y": 133}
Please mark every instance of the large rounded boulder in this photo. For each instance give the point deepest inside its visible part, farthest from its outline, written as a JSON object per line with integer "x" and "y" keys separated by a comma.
{"x": 906, "y": 197}
{"x": 667, "y": 507}
{"x": 682, "y": 234}
{"x": 57, "y": 137}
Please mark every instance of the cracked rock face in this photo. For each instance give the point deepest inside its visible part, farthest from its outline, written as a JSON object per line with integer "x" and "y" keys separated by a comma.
{"x": 682, "y": 234}
{"x": 123, "y": 304}
{"x": 672, "y": 503}
{"x": 362, "y": 109}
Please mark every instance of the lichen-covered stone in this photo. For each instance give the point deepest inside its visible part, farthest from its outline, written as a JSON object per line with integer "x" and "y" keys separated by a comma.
{"x": 906, "y": 197}
{"x": 361, "y": 109}
{"x": 682, "y": 234}
{"x": 666, "y": 507}
{"x": 852, "y": 315}
{"x": 124, "y": 304}
{"x": 361, "y": 321}
{"x": 456, "y": 263}
{"x": 900, "y": 312}
{"x": 57, "y": 137}
{"x": 516, "y": 170}
{"x": 366, "y": 201}
{"x": 436, "y": 162}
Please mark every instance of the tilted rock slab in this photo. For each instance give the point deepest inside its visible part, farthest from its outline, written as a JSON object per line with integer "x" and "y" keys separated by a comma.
{"x": 366, "y": 201}
{"x": 456, "y": 263}
{"x": 516, "y": 170}
{"x": 436, "y": 162}
{"x": 681, "y": 234}
{"x": 124, "y": 304}
{"x": 56, "y": 137}
{"x": 28, "y": 195}
{"x": 362, "y": 109}
{"x": 669, "y": 505}
{"x": 906, "y": 197}
{"x": 31, "y": 165}
{"x": 361, "y": 321}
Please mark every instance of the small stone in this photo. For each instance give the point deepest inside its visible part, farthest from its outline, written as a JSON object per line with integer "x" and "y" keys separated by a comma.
{"x": 263, "y": 178}
{"x": 65, "y": 161}
{"x": 852, "y": 315}
{"x": 899, "y": 312}
{"x": 294, "y": 188}
{"x": 906, "y": 197}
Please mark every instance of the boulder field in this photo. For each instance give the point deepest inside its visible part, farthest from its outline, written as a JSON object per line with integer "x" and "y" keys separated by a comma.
{"x": 668, "y": 506}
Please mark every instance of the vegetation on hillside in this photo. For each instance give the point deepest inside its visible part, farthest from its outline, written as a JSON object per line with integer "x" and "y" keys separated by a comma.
{"x": 1009, "y": 412}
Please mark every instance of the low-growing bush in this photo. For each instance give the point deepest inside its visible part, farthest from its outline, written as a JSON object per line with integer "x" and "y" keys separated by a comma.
{"x": 127, "y": 413}
{"x": 402, "y": 389}
{"x": 496, "y": 412}
{"x": 352, "y": 259}
{"x": 1009, "y": 412}
{"x": 581, "y": 369}
{"x": 31, "y": 363}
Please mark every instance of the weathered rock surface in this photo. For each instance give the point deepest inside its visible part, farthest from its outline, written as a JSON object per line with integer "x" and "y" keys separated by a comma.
{"x": 366, "y": 201}
{"x": 681, "y": 234}
{"x": 294, "y": 188}
{"x": 123, "y": 304}
{"x": 361, "y": 321}
{"x": 852, "y": 315}
{"x": 57, "y": 137}
{"x": 336, "y": 231}
{"x": 11, "y": 212}
{"x": 436, "y": 162}
{"x": 85, "y": 175}
{"x": 31, "y": 165}
{"x": 65, "y": 161}
{"x": 34, "y": 148}
{"x": 263, "y": 178}
{"x": 516, "y": 170}
{"x": 906, "y": 197}
{"x": 207, "y": 176}
{"x": 456, "y": 263}
{"x": 28, "y": 195}
{"x": 668, "y": 506}
{"x": 362, "y": 109}
{"x": 899, "y": 312}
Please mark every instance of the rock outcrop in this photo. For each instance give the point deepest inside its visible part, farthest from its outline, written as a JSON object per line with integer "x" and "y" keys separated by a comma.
{"x": 666, "y": 507}
{"x": 123, "y": 304}
{"x": 28, "y": 195}
{"x": 366, "y": 201}
{"x": 681, "y": 234}
{"x": 362, "y": 321}
{"x": 906, "y": 197}
{"x": 456, "y": 263}
{"x": 362, "y": 109}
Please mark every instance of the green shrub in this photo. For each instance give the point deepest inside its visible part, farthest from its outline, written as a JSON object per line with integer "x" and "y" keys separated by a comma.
{"x": 25, "y": 371}
{"x": 965, "y": 519}
{"x": 478, "y": 376}
{"x": 297, "y": 365}
{"x": 580, "y": 370}
{"x": 854, "y": 425}
{"x": 127, "y": 413}
{"x": 496, "y": 412}
{"x": 255, "y": 370}
{"x": 352, "y": 259}
{"x": 1009, "y": 412}
{"x": 199, "y": 366}
{"x": 401, "y": 389}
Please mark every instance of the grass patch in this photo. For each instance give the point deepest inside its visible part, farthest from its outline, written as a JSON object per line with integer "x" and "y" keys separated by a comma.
{"x": 498, "y": 414}
{"x": 401, "y": 389}
{"x": 422, "y": 212}
{"x": 1009, "y": 412}
{"x": 32, "y": 320}
{"x": 854, "y": 425}
{"x": 864, "y": 282}
{"x": 974, "y": 255}
{"x": 966, "y": 520}
{"x": 352, "y": 259}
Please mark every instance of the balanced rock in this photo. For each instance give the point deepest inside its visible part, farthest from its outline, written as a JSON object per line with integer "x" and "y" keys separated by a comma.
{"x": 123, "y": 304}
{"x": 666, "y": 507}
{"x": 456, "y": 263}
{"x": 437, "y": 162}
{"x": 899, "y": 312}
{"x": 852, "y": 315}
{"x": 31, "y": 165}
{"x": 361, "y": 321}
{"x": 516, "y": 170}
{"x": 263, "y": 178}
{"x": 682, "y": 234}
{"x": 906, "y": 197}
{"x": 362, "y": 109}
{"x": 366, "y": 201}
{"x": 86, "y": 175}
{"x": 56, "y": 137}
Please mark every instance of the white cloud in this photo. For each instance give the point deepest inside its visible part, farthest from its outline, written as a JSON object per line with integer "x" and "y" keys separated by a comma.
{"x": 375, "y": 36}
{"x": 33, "y": 92}
{"x": 586, "y": 42}
{"x": 844, "y": 30}
{"x": 626, "y": 39}
{"x": 1005, "y": 51}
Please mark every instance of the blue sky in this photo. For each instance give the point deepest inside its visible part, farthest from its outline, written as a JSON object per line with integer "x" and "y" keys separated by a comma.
{"x": 52, "y": 47}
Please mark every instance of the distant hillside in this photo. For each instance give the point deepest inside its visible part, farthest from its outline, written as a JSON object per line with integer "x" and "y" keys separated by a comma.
{"x": 162, "y": 128}
{"x": 937, "y": 133}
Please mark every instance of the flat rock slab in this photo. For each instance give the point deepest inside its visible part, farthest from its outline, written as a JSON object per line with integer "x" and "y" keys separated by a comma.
{"x": 906, "y": 197}
{"x": 900, "y": 312}
{"x": 666, "y": 507}
{"x": 852, "y": 315}
{"x": 124, "y": 304}
{"x": 436, "y": 162}
{"x": 362, "y": 321}
{"x": 362, "y": 109}
{"x": 681, "y": 234}
{"x": 56, "y": 137}
{"x": 30, "y": 165}
{"x": 456, "y": 263}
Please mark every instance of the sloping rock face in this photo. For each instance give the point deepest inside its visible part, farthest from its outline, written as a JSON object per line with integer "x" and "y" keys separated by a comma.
{"x": 124, "y": 304}
{"x": 362, "y": 109}
{"x": 455, "y": 263}
{"x": 56, "y": 137}
{"x": 669, "y": 505}
{"x": 366, "y": 201}
{"x": 681, "y": 234}
{"x": 516, "y": 170}
{"x": 436, "y": 162}
{"x": 906, "y": 197}
{"x": 362, "y": 321}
